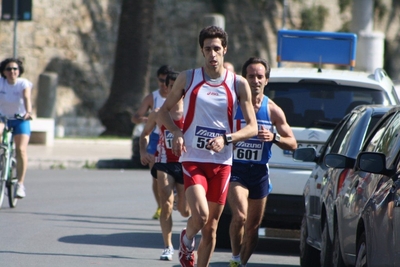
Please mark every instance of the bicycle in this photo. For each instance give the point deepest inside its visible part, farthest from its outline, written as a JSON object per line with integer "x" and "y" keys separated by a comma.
{"x": 8, "y": 165}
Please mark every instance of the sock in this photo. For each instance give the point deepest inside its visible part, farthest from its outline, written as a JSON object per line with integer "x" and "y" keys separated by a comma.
{"x": 236, "y": 258}
{"x": 188, "y": 243}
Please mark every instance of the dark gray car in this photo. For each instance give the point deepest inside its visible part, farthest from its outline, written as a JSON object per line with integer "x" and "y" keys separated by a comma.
{"x": 367, "y": 205}
{"x": 318, "y": 227}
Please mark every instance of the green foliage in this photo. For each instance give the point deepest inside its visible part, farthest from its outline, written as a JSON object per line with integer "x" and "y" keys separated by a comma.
{"x": 90, "y": 165}
{"x": 345, "y": 27}
{"x": 380, "y": 9}
{"x": 313, "y": 19}
{"x": 58, "y": 166}
{"x": 343, "y": 4}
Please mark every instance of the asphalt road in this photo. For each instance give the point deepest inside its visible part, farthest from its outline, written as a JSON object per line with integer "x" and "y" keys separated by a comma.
{"x": 100, "y": 218}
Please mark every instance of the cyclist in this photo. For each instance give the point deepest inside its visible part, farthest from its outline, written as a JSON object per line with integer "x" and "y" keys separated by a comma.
{"x": 15, "y": 98}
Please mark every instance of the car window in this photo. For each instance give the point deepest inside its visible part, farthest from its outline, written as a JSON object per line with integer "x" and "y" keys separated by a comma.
{"x": 374, "y": 144}
{"x": 344, "y": 133}
{"x": 333, "y": 137}
{"x": 322, "y": 105}
{"x": 355, "y": 135}
{"x": 389, "y": 145}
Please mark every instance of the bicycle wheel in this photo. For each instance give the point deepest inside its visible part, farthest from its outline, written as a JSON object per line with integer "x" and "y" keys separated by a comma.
{"x": 11, "y": 183}
{"x": 3, "y": 178}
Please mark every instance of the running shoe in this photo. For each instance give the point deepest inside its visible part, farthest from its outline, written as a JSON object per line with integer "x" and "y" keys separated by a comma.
{"x": 157, "y": 214}
{"x": 233, "y": 263}
{"x": 186, "y": 256}
{"x": 20, "y": 191}
{"x": 167, "y": 254}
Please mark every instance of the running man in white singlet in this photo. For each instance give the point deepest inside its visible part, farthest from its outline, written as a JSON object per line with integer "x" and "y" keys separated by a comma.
{"x": 153, "y": 101}
{"x": 211, "y": 95}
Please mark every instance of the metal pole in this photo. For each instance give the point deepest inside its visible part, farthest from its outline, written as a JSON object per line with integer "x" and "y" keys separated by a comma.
{"x": 284, "y": 14}
{"x": 15, "y": 27}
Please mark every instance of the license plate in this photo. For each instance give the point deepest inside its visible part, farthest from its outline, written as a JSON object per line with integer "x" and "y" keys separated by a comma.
{"x": 316, "y": 146}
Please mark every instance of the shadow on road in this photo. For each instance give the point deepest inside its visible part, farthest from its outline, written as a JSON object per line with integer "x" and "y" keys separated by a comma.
{"x": 153, "y": 240}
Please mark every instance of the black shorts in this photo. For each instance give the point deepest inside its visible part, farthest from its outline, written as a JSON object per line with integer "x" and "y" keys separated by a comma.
{"x": 255, "y": 177}
{"x": 173, "y": 168}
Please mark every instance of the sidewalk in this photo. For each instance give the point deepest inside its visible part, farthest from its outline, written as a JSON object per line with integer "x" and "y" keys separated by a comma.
{"x": 81, "y": 153}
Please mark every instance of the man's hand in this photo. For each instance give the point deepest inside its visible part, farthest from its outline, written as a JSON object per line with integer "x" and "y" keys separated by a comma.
{"x": 216, "y": 144}
{"x": 178, "y": 143}
{"x": 146, "y": 158}
{"x": 265, "y": 135}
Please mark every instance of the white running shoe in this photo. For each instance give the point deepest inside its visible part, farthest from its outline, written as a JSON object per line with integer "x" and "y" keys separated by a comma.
{"x": 167, "y": 254}
{"x": 20, "y": 191}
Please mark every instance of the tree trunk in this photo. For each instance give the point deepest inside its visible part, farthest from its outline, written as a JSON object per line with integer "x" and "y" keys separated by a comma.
{"x": 131, "y": 67}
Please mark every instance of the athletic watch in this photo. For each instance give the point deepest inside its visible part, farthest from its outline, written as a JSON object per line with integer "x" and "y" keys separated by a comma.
{"x": 277, "y": 138}
{"x": 227, "y": 139}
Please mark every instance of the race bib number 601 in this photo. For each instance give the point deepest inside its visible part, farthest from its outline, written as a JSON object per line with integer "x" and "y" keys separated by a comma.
{"x": 249, "y": 150}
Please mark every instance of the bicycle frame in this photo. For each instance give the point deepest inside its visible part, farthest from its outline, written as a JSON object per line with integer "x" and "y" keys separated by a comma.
{"x": 8, "y": 162}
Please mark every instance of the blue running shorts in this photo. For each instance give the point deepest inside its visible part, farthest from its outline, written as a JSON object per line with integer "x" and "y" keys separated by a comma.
{"x": 255, "y": 177}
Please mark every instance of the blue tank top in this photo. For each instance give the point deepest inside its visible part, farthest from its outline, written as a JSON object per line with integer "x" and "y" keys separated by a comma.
{"x": 253, "y": 150}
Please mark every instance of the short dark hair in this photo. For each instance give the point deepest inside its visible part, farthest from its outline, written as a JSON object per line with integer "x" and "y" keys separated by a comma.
{"x": 256, "y": 60}
{"x": 164, "y": 70}
{"x": 213, "y": 32}
{"x": 171, "y": 76}
{"x": 5, "y": 62}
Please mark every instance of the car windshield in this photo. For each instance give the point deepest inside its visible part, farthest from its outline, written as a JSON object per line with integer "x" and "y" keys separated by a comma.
{"x": 308, "y": 104}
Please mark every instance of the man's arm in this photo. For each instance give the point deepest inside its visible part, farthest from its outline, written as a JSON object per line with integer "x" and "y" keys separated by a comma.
{"x": 145, "y": 106}
{"x": 248, "y": 113}
{"x": 145, "y": 157}
{"x": 278, "y": 118}
{"x": 164, "y": 117}
{"x": 217, "y": 144}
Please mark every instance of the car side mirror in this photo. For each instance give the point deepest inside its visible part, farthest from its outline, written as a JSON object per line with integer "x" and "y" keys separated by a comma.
{"x": 307, "y": 154}
{"x": 332, "y": 160}
{"x": 372, "y": 162}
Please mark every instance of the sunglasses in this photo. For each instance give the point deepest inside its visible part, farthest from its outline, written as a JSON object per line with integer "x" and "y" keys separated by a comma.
{"x": 10, "y": 69}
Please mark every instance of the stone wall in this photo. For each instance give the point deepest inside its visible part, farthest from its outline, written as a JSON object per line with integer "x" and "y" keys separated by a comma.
{"x": 76, "y": 39}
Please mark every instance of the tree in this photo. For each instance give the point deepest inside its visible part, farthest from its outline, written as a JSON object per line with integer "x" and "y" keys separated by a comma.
{"x": 131, "y": 67}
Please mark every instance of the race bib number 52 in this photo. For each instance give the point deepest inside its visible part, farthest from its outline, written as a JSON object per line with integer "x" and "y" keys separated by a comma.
{"x": 203, "y": 134}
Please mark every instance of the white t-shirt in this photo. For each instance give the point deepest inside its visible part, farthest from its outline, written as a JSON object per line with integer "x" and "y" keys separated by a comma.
{"x": 11, "y": 97}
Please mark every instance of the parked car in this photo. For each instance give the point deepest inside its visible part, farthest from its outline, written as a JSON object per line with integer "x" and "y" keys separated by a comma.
{"x": 321, "y": 188}
{"x": 367, "y": 207}
{"x": 314, "y": 101}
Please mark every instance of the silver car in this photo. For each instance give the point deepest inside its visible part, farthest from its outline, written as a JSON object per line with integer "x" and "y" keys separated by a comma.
{"x": 366, "y": 209}
{"x": 318, "y": 227}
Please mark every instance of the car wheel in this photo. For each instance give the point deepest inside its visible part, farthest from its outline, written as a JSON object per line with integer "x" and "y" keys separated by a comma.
{"x": 337, "y": 258}
{"x": 223, "y": 239}
{"x": 361, "y": 259}
{"x": 326, "y": 247}
{"x": 309, "y": 256}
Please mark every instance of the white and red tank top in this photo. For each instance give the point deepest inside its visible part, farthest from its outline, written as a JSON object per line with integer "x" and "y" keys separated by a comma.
{"x": 164, "y": 148}
{"x": 209, "y": 111}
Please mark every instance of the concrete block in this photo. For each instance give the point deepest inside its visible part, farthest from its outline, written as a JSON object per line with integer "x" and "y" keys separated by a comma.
{"x": 42, "y": 131}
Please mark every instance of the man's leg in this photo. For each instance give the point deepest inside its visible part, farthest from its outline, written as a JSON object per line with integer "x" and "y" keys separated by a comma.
{"x": 183, "y": 206}
{"x": 196, "y": 198}
{"x": 237, "y": 199}
{"x": 165, "y": 189}
{"x": 209, "y": 234}
{"x": 254, "y": 216}
{"x": 154, "y": 187}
